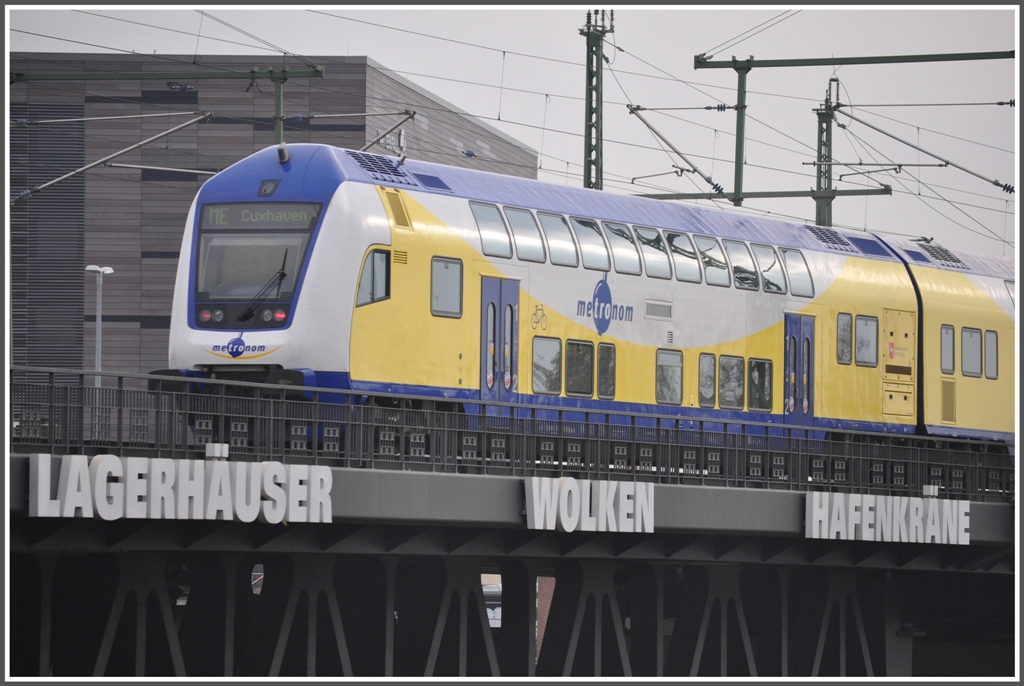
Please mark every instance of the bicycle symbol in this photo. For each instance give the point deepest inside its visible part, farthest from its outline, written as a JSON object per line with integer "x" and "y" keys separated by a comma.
{"x": 539, "y": 318}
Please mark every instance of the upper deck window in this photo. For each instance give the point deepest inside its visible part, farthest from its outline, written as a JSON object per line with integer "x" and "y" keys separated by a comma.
{"x": 655, "y": 255}
{"x": 627, "y": 259}
{"x": 529, "y": 245}
{"x": 560, "y": 243}
{"x": 800, "y": 281}
{"x": 743, "y": 271}
{"x": 595, "y": 253}
{"x": 684, "y": 257}
{"x": 772, "y": 276}
{"x": 716, "y": 269}
{"x": 493, "y": 235}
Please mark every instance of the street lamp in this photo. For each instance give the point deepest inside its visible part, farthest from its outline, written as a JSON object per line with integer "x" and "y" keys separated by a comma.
{"x": 100, "y": 271}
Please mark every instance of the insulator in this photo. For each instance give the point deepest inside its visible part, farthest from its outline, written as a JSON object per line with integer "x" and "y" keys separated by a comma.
{"x": 722, "y": 107}
{"x": 296, "y": 117}
{"x": 1007, "y": 188}
{"x": 24, "y": 194}
{"x": 21, "y": 122}
{"x": 1011, "y": 103}
{"x": 717, "y": 188}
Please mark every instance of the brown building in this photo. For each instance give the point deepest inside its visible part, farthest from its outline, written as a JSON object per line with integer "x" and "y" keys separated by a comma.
{"x": 130, "y": 216}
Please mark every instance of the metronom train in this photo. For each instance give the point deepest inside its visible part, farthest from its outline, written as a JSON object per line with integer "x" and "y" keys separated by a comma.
{"x": 331, "y": 268}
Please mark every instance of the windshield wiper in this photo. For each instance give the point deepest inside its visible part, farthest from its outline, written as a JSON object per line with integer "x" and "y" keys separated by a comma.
{"x": 275, "y": 281}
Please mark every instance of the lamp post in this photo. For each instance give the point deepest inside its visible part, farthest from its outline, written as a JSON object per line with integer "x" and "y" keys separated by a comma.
{"x": 100, "y": 271}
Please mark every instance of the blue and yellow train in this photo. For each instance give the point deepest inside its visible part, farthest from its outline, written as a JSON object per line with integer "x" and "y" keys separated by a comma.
{"x": 341, "y": 269}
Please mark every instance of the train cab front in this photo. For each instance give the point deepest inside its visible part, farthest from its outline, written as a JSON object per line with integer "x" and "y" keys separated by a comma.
{"x": 236, "y": 312}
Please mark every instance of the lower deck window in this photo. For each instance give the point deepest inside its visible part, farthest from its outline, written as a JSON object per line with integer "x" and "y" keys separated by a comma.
{"x": 606, "y": 371}
{"x": 948, "y": 344}
{"x": 970, "y": 352}
{"x": 730, "y": 382}
{"x": 867, "y": 341}
{"x": 669, "y": 377}
{"x": 579, "y": 368}
{"x": 991, "y": 355}
{"x": 375, "y": 281}
{"x": 706, "y": 380}
{"x": 760, "y": 384}
{"x": 844, "y": 338}
{"x": 446, "y": 287}
{"x": 547, "y": 365}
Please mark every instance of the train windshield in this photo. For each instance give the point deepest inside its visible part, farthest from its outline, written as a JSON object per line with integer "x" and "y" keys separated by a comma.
{"x": 244, "y": 246}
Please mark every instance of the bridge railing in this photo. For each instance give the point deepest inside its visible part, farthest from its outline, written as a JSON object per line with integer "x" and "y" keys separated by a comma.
{"x": 64, "y": 412}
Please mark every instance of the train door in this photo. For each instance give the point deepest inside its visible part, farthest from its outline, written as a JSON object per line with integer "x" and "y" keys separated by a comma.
{"x": 499, "y": 342}
{"x": 799, "y": 379}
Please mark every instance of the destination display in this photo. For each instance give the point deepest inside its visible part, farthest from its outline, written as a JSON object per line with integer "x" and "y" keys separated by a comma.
{"x": 110, "y": 487}
{"x": 862, "y": 517}
{"x": 249, "y": 216}
{"x": 569, "y": 504}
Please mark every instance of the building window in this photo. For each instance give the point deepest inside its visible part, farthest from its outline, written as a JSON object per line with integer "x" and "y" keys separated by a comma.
{"x": 595, "y": 252}
{"x": 655, "y": 257}
{"x": 744, "y": 274}
{"x": 446, "y": 287}
{"x": 760, "y": 384}
{"x": 669, "y": 377}
{"x": 606, "y": 371}
{"x": 800, "y": 282}
{"x": 547, "y": 365}
{"x": 706, "y": 380}
{"x": 375, "y": 281}
{"x": 970, "y": 352}
{"x": 991, "y": 355}
{"x": 494, "y": 238}
{"x": 730, "y": 383}
{"x": 867, "y": 341}
{"x": 624, "y": 254}
{"x": 579, "y": 368}
{"x": 948, "y": 349}
{"x": 560, "y": 243}
{"x": 771, "y": 269}
{"x": 844, "y": 339}
{"x": 529, "y": 245}
{"x": 716, "y": 269}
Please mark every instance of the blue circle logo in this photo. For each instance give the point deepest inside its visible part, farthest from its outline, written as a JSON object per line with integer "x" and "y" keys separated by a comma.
{"x": 236, "y": 346}
{"x": 602, "y": 306}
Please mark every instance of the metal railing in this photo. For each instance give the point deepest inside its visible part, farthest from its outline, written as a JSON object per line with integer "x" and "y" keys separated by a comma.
{"x": 62, "y": 412}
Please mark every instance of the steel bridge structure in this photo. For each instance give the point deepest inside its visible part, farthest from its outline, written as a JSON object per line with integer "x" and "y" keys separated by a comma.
{"x": 428, "y": 496}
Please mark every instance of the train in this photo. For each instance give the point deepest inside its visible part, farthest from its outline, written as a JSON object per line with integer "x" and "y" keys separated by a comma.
{"x": 324, "y": 267}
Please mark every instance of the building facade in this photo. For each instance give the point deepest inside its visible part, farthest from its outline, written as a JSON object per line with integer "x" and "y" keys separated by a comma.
{"x": 129, "y": 214}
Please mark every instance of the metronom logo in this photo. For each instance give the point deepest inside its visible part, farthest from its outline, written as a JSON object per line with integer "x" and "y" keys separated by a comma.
{"x": 602, "y": 308}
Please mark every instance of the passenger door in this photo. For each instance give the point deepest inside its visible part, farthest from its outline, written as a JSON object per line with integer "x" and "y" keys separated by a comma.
{"x": 499, "y": 340}
{"x": 798, "y": 386}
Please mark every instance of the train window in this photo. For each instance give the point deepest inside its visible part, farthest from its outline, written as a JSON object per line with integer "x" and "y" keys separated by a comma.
{"x": 492, "y": 360}
{"x": 730, "y": 382}
{"x": 446, "y": 287}
{"x": 595, "y": 252}
{"x": 800, "y": 281}
{"x": 669, "y": 377}
{"x": 493, "y": 235}
{"x": 772, "y": 277}
{"x": 760, "y": 384}
{"x": 684, "y": 257}
{"x": 716, "y": 269}
{"x": 375, "y": 281}
{"x": 529, "y": 245}
{"x": 624, "y": 254}
{"x": 844, "y": 339}
{"x": 560, "y": 244}
{"x": 606, "y": 371}
{"x": 579, "y": 368}
{"x": 970, "y": 352}
{"x": 655, "y": 256}
{"x": 991, "y": 355}
{"x": 948, "y": 349}
{"x": 706, "y": 380}
{"x": 547, "y": 365}
{"x": 744, "y": 273}
{"x": 867, "y": 341}
{"x": 1010, "y": 287}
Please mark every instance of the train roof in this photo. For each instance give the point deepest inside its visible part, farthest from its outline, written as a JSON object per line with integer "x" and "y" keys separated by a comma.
{"x": 484, "y": 186}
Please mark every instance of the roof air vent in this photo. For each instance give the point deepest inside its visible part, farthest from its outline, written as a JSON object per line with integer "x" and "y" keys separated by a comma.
{"x": 830, "y": 238}
{"x": 942, "y": 255}
{"x": 380, "y": 168}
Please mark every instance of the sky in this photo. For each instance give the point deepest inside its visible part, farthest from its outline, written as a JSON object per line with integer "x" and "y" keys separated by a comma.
{"x": 523, "y": 71}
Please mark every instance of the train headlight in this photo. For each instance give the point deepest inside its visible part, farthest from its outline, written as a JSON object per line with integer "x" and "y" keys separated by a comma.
{"x": 204, "y": 316}
{"x": 267, "y": 315}
{"x": 218, "y": 315}
{"x": 280, "y": 315}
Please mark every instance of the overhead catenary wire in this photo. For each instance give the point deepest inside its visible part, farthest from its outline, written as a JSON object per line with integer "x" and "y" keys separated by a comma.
{"x": 733, "y": 42}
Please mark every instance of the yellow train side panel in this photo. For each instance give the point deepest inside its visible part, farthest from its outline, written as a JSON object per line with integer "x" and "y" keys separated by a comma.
{"x": 976, "y": 403}
{"x": 862, "y": 393}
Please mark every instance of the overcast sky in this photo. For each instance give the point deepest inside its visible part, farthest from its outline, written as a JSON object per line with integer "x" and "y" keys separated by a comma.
{"x": 523, "y": 72}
